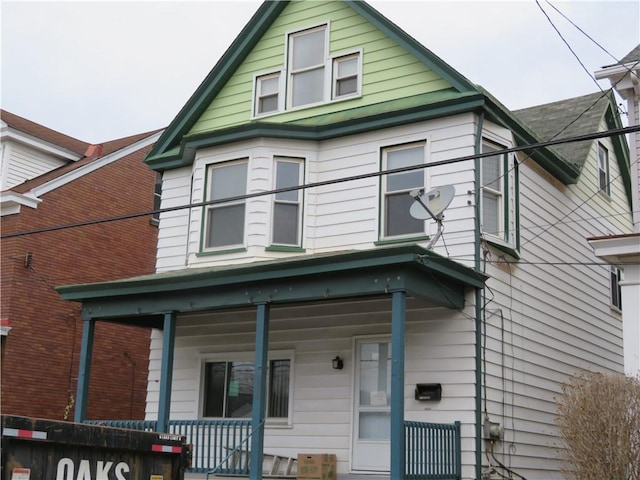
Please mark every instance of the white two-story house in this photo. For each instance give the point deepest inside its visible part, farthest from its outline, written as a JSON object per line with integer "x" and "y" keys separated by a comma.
{"x": 298, "y": 304}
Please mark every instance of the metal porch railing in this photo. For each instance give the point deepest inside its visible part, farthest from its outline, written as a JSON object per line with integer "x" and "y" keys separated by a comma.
{"x": 432, "y": 451}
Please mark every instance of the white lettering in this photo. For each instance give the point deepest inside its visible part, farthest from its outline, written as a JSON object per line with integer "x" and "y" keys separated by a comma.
{"x": 121, "y": 468}
{"x": 84, "y": 470}
{"x": 102, "y": 470}
{"x": 65, "y": 469}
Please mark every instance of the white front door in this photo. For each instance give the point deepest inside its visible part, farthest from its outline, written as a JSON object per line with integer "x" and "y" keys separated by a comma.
{"x": 371, "y": 426}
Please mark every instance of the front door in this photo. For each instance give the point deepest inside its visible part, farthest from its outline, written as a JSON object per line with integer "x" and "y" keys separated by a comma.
{"x": 371, "y": 447}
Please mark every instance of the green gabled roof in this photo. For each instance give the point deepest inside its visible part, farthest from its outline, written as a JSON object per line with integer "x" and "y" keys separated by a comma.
{"x": 168, "y": 151}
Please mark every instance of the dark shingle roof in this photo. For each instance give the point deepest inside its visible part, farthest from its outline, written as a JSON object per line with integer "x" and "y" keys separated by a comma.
{"x": 567, "y": 118}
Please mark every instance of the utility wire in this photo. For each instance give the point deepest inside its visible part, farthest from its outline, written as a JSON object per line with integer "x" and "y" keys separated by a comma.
{"x": 579, "y": 138}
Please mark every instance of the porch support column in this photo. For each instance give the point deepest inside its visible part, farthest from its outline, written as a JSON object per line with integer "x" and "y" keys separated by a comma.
{"x": 398, "y": 314}
{"x": 259, "y": 391}
{"x": 166, "y": 371}
{"x": 84, "y": 372}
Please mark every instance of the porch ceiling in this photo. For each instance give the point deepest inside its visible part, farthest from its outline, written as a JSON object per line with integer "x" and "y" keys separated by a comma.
{"x": 142, "y": 300}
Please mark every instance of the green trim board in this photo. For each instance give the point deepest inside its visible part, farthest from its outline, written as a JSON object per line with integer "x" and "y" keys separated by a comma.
{"x": 420, "y": 272}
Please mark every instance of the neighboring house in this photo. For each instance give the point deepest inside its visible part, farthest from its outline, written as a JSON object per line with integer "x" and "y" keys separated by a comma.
{"x": 623, "y": 251}
{"x": 319, "y": 308}
{"x": 53, "y": 180}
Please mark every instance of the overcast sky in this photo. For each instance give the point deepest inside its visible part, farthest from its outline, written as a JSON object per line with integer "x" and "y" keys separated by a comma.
{"x": 104, "y": 70}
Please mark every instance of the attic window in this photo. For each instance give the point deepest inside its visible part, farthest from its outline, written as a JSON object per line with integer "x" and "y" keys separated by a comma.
{"x": 306, "y": 66}
{"x": 603, "y": 169}
{"x": 267, "y": 93}
{"x": 346, "y": 75}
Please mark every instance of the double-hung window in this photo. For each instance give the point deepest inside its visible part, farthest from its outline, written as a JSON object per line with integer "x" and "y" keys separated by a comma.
{"x": 603, "y": 169}
{"x": 306, "y": 66}
{"x": 229, "y": 389}
{"x": 492, "y": 190}
{"x": 616, "y": 290}
{"x": 396, "y": 200}
{"x": 224, "y": 219}
{"x": 499, "y": 195}
{"x": 346, "y": 75}
{"x": 287, "y": 205}
{"x": 267, "y": 93}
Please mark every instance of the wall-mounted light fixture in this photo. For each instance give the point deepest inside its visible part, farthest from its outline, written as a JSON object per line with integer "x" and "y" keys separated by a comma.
{"x": 337, "y": 363}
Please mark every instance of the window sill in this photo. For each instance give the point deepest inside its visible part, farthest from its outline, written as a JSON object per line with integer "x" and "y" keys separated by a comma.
{"x": 392, "y": 241}
{"x": 284, "y": 248}
{"x": 503, "y": 247}
{"x": 154, "y": 222}
{"x": 220, "y": 252}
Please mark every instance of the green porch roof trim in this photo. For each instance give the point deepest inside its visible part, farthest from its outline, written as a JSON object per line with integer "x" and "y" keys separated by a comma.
{"x": 250, "y": 36}
{"x": 356, "y": 120}
{"x": 421, "y": 272}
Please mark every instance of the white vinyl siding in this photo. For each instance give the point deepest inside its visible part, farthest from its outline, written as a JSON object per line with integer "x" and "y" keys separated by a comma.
{"x": 22, "y": 162}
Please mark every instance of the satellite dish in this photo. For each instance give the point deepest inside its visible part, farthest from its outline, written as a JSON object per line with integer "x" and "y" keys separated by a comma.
{"x": 432, "y": 205}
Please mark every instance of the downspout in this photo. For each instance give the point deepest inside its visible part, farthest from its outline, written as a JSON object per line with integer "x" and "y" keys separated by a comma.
{"x": 478, "y": 300}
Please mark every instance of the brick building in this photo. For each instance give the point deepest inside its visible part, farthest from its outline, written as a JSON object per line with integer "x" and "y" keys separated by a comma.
{"x": 51, "y": 180}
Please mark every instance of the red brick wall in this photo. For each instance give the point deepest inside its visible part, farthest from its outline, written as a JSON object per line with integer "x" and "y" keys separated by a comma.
{"x": 41, "y": 353}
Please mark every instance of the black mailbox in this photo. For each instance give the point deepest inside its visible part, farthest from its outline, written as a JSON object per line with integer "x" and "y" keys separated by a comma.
{"x": 428, "y": 391}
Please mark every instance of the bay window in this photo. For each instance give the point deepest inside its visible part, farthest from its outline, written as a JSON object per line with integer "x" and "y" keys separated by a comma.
{"x": 287, "y": 206}
{"x": 224, "y": 221}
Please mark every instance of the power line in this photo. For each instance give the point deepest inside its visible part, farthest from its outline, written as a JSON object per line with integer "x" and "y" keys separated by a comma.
{"x": 579, "y": 138}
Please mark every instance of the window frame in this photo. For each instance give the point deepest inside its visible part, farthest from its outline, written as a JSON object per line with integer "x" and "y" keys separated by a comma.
{"x": 206, "y": 234}
{"x": 335, "y": 60}
{"x": 299, "y": 202}
{"x": 508, "y": 236}
{"x": 603, "y": 175}
{"x": 291, "y": 73}
{"x": 257, "y": 82}
{"x": 384, "y": 192}
{"x": 231, "y": 357}
{"x": 616, "y": 275}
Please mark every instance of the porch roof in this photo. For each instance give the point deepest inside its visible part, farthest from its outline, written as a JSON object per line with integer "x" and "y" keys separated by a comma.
{"x": 142, "y": 300}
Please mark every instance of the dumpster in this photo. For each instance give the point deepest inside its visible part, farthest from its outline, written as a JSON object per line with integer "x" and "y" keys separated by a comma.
{"x": 39, "y": 449}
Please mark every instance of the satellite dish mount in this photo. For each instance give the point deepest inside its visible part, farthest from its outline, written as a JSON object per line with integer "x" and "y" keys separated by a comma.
{"x": 432, "y": 205}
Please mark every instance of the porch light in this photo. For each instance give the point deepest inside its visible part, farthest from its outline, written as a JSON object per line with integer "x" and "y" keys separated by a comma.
{"x": 337, "y": 363}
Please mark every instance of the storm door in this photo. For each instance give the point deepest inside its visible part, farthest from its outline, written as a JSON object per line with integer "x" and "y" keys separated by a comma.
{"x": 372, "y": 406}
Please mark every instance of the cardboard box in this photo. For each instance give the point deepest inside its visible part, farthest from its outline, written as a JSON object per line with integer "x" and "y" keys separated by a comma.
{"x": 316, "y": 466}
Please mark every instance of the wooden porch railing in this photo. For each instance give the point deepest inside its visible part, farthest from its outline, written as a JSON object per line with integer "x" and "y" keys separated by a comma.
{"x": 432, "y": 450}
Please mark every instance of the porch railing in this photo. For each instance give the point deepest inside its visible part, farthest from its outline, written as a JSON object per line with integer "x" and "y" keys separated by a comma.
{"x": 216, "y": 444}
{"x": 432, "y": 451}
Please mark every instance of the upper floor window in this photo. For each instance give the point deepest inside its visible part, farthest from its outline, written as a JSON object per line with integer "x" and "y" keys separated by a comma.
{"x": 225, "y": 220}
{"x": 306, "y": 66}
{"x": 157, "y": 198}
{"x": 228, "y": 389}
{"x": 396, "y": 201}
{"x": 616, "y": 291}
{"x": 287, "y": 206}
{"x": 346, "y": 75}
{"x": 267, "y": 93}
{"x": 310, "y": 74}
{"x": 603, "y": 169}
{"x": 499, "y": 191}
